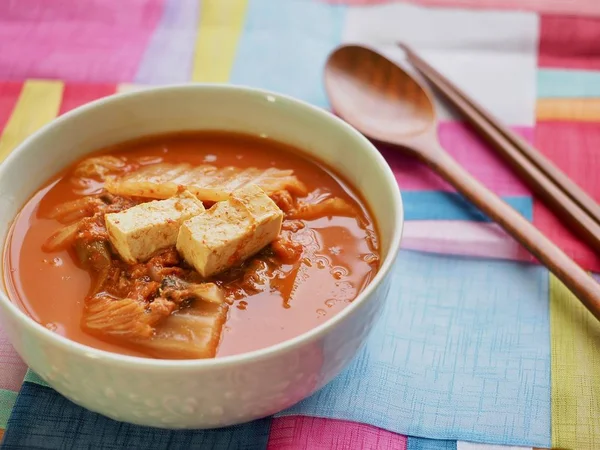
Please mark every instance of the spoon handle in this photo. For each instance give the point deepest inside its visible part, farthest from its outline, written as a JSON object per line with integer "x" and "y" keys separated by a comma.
{"x": 568, "y": 271}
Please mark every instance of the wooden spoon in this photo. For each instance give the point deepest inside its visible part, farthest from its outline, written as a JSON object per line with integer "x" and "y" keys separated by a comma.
{"x": 384, "y": 102}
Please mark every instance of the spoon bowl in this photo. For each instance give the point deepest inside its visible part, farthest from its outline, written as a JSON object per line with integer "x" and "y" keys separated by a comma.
{"x": 378, "y": 97}
{"x": 384, "y": 102}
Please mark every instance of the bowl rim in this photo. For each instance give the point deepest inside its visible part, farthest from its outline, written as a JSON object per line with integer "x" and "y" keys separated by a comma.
{"x": 254, "y": 355}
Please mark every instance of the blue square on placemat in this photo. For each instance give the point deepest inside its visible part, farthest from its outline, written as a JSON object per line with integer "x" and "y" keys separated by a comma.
{"x": 461, "y": 352}
{"x": 284, "y": 46}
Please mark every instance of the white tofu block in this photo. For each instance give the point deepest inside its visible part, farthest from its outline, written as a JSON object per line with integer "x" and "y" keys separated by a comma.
{"x": 138, "y": 232}
{"x": 230, "y": 231}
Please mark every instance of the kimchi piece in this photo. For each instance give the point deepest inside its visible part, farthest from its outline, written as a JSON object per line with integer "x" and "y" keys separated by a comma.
{"x": 153, "y": 307}
{"x": 190, "y": 333}
{"x": 208, "y": 183}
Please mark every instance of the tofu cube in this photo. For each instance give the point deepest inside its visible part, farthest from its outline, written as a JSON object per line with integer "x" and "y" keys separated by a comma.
{"x": 230, "y": 231}
{"x": 138, "y": 232}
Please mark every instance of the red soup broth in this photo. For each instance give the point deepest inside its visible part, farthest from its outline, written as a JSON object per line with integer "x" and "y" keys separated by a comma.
{"x": 51, "y": 287}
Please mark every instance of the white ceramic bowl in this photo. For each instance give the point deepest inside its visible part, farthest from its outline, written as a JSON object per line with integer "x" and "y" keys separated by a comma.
{"x": 222, "y": 391}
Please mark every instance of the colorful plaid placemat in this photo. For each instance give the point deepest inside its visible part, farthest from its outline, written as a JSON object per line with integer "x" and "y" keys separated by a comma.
{"x": 476, "y": 345}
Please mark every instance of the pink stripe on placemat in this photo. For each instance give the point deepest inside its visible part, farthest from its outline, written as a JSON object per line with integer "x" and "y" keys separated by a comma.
{"x": 474, "y": 239}
{"x": 77, "y": 94}
{"x": 313, "y": 433}
{"x": 470, "y": 151}
{"x": 12, "y": 367}
{"x": 96, "y": 40}
{"x": 579, "y": 7}
{"x": 570, "y": 42}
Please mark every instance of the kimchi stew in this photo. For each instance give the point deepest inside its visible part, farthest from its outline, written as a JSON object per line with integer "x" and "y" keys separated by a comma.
{"x": 190, "y": 245}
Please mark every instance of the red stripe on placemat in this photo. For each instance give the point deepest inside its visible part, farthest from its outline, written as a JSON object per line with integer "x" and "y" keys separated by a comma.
{"x": 569, "y": 42}
{"x": 313, "y": 433}
{"x": 9, "y": 94}
{"x": 574, "y": 147}
{"x": 77, "y": 94}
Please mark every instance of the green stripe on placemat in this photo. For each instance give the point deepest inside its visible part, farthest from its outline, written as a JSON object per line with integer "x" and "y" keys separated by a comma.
{"x": 33, "y": 377}
{"x": 7, "y": 401}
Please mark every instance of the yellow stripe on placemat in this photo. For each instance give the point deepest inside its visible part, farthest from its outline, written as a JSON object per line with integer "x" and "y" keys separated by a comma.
{"x": 38, "y": 104}
{"x": 570, "y": 109}
{"x": 575, "y": 342}
{"x": 221, "y": 23}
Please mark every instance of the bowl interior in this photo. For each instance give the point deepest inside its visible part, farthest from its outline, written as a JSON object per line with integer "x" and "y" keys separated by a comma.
{"x": 202, "y": 107}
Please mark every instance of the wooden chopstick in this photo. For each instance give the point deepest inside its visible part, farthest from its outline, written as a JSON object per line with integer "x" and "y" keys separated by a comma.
{"x": 569, "y": 202}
